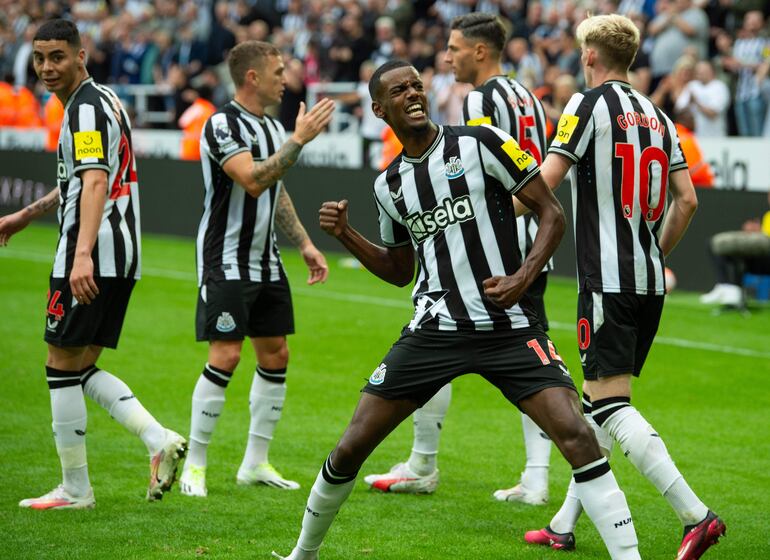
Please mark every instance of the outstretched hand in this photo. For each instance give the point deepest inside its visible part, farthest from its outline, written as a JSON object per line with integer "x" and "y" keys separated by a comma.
{"x": 333, "y": 217}
{"x": 11, "y": 224}
{"x": 504, "y": 291}
{"x": 316, "y": 264}
{"x": 310, "y": 124}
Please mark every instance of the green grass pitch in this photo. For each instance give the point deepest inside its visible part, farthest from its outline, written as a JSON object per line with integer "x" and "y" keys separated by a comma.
{"x": 705, "y": 389}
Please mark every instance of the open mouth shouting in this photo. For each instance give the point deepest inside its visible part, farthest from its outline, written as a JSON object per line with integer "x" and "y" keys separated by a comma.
{"x": 415, "y": 111}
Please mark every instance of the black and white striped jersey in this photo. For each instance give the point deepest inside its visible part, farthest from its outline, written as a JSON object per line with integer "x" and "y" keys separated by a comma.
{"x": 96, "y": 134}
{"x": 236, "y": 236}
{"x": 454, "y": 205}
{"x": 505, "y": 103}
{"x": 624, "y": 149}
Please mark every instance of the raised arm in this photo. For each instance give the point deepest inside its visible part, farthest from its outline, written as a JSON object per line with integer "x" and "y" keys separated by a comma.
{"x": 14, "y": 223}
{"x": 392, "y": 264}
{"x": 256, "y": 177}
{"x": 288, "y": 222}
{"x": 680, "y": 212}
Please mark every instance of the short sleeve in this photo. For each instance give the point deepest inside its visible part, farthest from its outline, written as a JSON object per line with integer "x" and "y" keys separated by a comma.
{"x": 392, "y": 232}
{"x": 223, "y": 137}
{"x": 575, "y": 130}
{"x": 676, "y": 158}
{"x": 93, "y": 137}
{"x": 504, "y": 159}
{"x": 478, "y": 109}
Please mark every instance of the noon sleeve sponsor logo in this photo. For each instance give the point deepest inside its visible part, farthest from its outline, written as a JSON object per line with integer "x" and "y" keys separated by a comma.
{"x": 567, "y": 124}
{"x": 479, "y": 121}
{"x": 451, "y": 211}
{"x": 88, "y": 144}
{"x": 518, "y": 156}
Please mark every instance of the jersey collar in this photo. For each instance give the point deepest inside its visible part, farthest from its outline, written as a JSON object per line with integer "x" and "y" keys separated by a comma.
{"x": 620, "y": 83}
{"x": 426, "y": 154}
{"x": 71, "y": 98}
{"x": 243, "y": 109}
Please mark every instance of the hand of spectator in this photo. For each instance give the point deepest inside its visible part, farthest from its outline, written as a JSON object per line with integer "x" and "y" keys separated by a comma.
{"x": 310, "y": 124}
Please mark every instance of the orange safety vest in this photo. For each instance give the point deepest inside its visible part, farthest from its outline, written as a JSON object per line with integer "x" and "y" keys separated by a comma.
{"x": 192, "y": 122}
{"x": 700, "y": 171}
{"x": 391, "y": 147}
{"x": 27, "y": 109}
{"x": 53, "y": 115}
{"x": 7, "y": 104}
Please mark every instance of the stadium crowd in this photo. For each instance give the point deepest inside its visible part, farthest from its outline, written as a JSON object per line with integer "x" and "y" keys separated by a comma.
{"x": 709, "y": 56}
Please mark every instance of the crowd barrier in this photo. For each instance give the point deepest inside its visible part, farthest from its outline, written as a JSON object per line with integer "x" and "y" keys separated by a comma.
{"x": 171, "y": 194}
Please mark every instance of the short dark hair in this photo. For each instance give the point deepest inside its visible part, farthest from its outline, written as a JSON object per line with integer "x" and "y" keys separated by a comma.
{"x": 374, "y": 82}
{"x": 248, "y": 56}
{"x": 59, "y": 30}
{"x": 481, "y": 26}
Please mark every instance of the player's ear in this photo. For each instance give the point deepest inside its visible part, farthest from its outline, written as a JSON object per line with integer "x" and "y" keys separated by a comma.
{"x": 378, "y": 110}
{"x": 480, "y": 51}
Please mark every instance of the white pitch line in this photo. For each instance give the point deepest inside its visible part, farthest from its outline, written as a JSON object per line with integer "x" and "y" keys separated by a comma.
{"x": 400, "y": 304}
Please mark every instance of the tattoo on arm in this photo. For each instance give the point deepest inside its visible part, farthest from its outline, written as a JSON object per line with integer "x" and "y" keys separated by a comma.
{"x": 267, "y": 172}
{"x": 43, "y": 205}
{"x": 287, "y": 220}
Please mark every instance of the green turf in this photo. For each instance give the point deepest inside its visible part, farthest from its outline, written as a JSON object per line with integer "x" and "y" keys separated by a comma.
{"x": 710, "y": 406}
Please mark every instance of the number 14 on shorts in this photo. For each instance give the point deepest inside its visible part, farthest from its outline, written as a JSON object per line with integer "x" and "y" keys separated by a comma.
{"x": 536, "y": 346}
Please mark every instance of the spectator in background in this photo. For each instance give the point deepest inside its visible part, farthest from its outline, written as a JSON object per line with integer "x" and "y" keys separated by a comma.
{"x": 7, "y": 102}
{"x": 679, "y": 28}
{"x": 708, "y": 99}
{"x": 221, "y": 39}
{"x": 53, "y": 115}
{"x": 98, "y": 58}
{"x": 700, "y": 171}
{"x": 526, "y": 66}
{"x": 349, "y": 50}
{"x": 746, "y": 59}
{"x": 385, "y": 32}
{"x": 127, "y": 58}
{"x": 23, "y": 73}
{"x": 670, "y": 88}
{"x": 372, "y": 128}
{"x": 294, "y": 76}
{"x": 445, "y": 94}
{"x": 640, "y": 71}
{"x": 190, "y": 52}
{"x": 193, "y": 120}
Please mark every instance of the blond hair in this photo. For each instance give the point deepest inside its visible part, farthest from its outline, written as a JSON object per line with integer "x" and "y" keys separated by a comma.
{"x": 246, "y": 56}
{"x": 614, "y": 36}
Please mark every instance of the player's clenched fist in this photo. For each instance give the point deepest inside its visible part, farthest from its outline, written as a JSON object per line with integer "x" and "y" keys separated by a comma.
{"x": 504, "y": 291}
{"x": 309, "y": 124}
{"x": 333, "y": 217}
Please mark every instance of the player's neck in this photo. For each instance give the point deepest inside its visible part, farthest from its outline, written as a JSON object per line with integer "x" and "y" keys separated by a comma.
{"x": 65, "y": 95}
{"x": 604, "y": 76}
{"x": 416, "y": 142}
{"x": 250, "y": 102}
{"x": 487, "y": 71}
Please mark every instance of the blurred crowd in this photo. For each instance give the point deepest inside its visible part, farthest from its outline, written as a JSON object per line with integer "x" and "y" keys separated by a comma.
{"x": 707, "y": 58}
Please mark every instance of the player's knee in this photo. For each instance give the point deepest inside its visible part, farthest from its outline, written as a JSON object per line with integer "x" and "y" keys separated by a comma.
{"x": 346, "y": 457}
{"x": 274, "y": 356}
{"x": 575, "y": 439}
{"x": 225, "y": 358}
